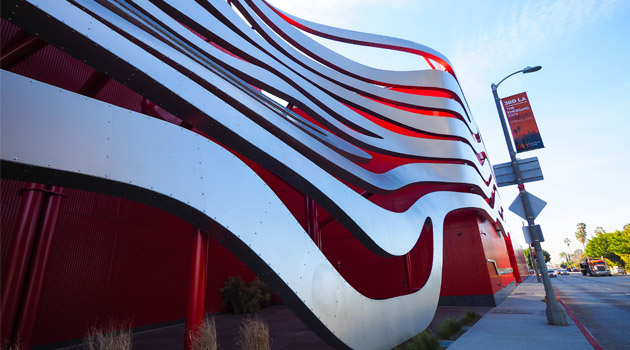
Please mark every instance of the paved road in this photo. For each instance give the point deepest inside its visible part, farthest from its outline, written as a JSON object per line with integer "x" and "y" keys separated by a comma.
{"x": 601, "y": 304}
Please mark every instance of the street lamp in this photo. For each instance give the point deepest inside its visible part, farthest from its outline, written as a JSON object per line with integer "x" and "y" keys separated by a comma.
{"x": 555, "y": 315}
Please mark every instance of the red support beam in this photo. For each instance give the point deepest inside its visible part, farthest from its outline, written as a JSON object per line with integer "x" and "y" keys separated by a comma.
{"x": 14, "y": 274}
{"x": 35, "y": 280}
{"x": 20, "y": 51}
{"x": 197, "y": 291}
{"x": 312, "y": 225}
{"x": 95, "y": 83}
{"x": 408, "y": 270}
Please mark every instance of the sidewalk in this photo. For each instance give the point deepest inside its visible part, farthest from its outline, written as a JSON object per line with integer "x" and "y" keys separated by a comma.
{"x": 519, "y": 322}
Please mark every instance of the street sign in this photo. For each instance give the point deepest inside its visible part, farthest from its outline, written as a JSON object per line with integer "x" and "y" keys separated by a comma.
{"x": 534, "y": 234}
{"x": 530, "y": 171}
{"x": 536, "y": 203}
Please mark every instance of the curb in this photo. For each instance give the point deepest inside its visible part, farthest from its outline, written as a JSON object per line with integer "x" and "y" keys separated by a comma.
{"x": 589, "y": 337}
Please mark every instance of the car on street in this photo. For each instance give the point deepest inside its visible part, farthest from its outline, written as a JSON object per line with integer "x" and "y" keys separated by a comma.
{"x": 553, "y": 273}
{"x": 563, "y": 272}
{"x": 617, "y": 270}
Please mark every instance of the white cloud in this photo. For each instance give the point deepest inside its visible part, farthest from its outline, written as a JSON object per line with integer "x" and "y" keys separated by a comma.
{"x": 521, "y": 30}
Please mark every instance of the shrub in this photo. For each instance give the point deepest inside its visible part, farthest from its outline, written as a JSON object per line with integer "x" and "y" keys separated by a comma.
{"x": 233, "y": 293}
{"x": 245, "y": 299}
{"x": 469, "y": 318}
{"x": 258, "y": 295}
{"x": 206, "y": 336}
{"x": 254, "y": 335}
{"x": 109, "y": 338}
{"x": 448, "y": 327}
{"x": 423, "y": 341}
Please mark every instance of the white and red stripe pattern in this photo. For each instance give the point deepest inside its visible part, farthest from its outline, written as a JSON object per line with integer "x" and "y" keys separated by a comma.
{"x": 346, "y": 126}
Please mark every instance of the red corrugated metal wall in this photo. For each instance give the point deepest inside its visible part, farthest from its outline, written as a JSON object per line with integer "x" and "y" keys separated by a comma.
{"x": 517, "y": 259}
{"x": 116, "y": 260}
{"x": 495, "y": 249}
{"x": 464, "y": 269}
{"x": 113, "y": 259}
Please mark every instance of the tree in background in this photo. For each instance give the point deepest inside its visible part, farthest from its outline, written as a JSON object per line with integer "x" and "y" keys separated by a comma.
{"x": 567, "y": 241}
{"x": 613, "y": 246}
{"x": 546, "y": 256}
{"x": 577, "y": 255}
{"x": 599, "y": 230}
{"x": 601, "y": 245}
{"x": 566, "y": 256}
{"x": 621, "y": 244}
{"x": 580, "y": 234}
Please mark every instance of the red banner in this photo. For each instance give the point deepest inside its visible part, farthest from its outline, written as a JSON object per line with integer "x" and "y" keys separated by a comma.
{"x": 522, "y": 123}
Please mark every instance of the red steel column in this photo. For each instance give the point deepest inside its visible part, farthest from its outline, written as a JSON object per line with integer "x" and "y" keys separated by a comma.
{"x": 19, "y": 255}
{"x": 35, "y": 280}
{"x": 408, "y": 269}
{"x": 197, "y": 291}
{"x": 311, "y": 223}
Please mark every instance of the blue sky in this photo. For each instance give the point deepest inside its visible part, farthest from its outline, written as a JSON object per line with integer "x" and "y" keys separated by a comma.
{"x": 580, "y": 98}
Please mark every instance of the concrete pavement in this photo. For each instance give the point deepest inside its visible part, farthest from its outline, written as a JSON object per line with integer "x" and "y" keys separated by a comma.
{"x": 519, "y": 322}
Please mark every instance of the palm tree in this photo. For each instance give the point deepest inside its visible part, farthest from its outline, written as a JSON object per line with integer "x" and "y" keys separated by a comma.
{"x": 580, "y": 234}
{"x": 566, "y": 256}
{"x": 599, "y": 230}
{"x": 567, "y": 241}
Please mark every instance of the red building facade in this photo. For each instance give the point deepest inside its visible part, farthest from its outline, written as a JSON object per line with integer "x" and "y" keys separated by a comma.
{"x": 88, "y": 258}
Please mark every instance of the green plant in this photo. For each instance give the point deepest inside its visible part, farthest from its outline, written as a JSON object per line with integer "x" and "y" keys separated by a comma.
{"x": 469, "y": 318}
{"x": 108, "y": 338}
{"x": 206, "y": 336}
{"x": 233, "y": 293}
{"x": 425, "y": 340}
{"x": 245, "y": 298}
{"x": 254, "y": 334}
{"x": 448, "y": 328}
{"x": 258, "y": 295}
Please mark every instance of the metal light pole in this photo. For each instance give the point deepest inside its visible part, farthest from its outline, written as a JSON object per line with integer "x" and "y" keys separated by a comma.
{"x": 555, "y": 315}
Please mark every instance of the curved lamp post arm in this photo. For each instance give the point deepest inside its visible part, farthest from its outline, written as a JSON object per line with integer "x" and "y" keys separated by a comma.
{"x": 495, "y": 86}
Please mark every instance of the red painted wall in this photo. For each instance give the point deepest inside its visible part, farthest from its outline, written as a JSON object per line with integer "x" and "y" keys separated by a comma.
{"x": 495, "y": 249}
{"x": 116, "y": 260}
{"x": 464, "y": 270}
{"x": 517, "y": 260}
